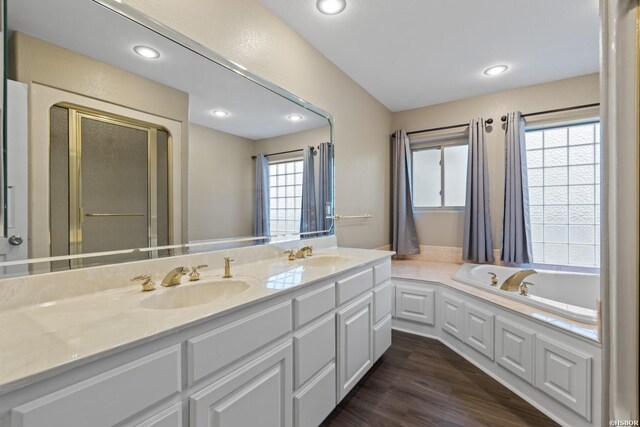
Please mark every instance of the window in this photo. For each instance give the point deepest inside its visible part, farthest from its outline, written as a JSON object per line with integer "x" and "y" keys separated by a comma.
{"x": 440, "y": 176}
{"x": 564, "y": 194}
{"x": 285, "y": 196}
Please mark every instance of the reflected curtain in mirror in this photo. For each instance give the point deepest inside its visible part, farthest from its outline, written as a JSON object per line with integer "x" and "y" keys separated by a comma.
{"x": 478, "y": 241}
{"x": 405, "y": 236}
{"x": 516, "y": 234}
{"x": 261, "y": 219}
{"x": 308, "y": 214}
{"x": 325, "y": 186}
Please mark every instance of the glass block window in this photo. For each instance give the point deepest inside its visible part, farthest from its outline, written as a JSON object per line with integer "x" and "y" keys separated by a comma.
{"x": 564, "y": 194}
{"x": 285, "y": 196}
{"x": 440, "y": 176}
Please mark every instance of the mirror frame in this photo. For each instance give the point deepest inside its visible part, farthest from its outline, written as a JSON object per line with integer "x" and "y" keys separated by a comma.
{"x": 149, "y": 23}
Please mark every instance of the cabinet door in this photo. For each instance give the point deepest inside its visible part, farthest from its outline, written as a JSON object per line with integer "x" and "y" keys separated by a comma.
{"x": 258, "y": 394}
{"x": 355, "y": 343}
{"x": 514, "y": 349}
{"x": 452, "y": 315}
{"x": 478, "y": 330}
{"x": 564, "y": 374}
{"x": 415, "y": 303}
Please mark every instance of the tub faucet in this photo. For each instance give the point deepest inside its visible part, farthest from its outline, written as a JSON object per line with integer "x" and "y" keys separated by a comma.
{"x": 173, "y": 277}
{"x": 514, "y": 281}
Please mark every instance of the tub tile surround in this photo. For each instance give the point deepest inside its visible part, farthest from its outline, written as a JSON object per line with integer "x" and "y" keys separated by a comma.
{"x": 79, "y": 315}
{"x": 442, "y": 272}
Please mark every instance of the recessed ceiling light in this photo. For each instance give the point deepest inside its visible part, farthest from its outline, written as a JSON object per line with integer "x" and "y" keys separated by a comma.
{"x": 220, "y": 113}
{"x": 146, "y": 52}
{"x": 331, "y": 7}
{"x": 495, "y": 70}
{"x": 295, "y": 117}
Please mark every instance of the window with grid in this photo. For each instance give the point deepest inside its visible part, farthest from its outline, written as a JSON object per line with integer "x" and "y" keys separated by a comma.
{"x": 285, "y": 196}
{"x": 564, "y": 194}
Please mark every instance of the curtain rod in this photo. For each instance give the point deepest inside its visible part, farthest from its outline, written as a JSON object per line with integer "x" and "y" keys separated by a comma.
{"x": 283, "y": 152}
{"x": 557, "y": 110}
{"x": 488, "y": 122}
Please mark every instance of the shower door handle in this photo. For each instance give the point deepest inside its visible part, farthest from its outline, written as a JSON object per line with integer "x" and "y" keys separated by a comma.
{"x": 115, "y": 214}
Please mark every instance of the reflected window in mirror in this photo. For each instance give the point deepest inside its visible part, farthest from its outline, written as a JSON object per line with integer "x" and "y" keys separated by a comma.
{"x": 285, "y": 194}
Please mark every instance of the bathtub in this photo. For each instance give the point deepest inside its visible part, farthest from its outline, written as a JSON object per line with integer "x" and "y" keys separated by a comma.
{"x": 572, "y": 295}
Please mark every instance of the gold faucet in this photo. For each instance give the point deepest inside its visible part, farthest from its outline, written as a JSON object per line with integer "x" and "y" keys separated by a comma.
{"x": 195, "y": 274}
{"x": 173, "y": 277}
{"x": 147, "y": 283}
{"x": 304, "y": 252}
{"x": 291, "y": 254}
{"x": 514, "y": 281}
{"x": 227, "y": 268}
{"x": 524, "y": 288}
{"x": 494, "y": 278}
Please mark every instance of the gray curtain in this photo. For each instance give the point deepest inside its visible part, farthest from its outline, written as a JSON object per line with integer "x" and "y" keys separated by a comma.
{"x": 325, "y": 185}
{"x": 516, "y": 230}
{"x": 261, "y": 219}
{"x": 478, "y": 242}
{"x": 308, "y": 215}
{"x": 405, "y": 237}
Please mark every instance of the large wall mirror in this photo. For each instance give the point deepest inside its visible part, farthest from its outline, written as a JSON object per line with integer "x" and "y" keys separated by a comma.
{"x": 128, "y": 141}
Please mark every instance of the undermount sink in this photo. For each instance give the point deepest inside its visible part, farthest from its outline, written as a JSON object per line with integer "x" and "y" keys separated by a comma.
{"x": 325, "y": 260}
{"x": 190, "y": 295}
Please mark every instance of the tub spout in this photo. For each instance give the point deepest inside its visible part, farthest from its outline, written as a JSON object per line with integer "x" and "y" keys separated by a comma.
{"x": 514, "y": 281}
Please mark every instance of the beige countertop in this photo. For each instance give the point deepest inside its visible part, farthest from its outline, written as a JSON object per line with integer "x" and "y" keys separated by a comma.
{"x": 442, "y": 272}
{"x": 41, "y": 340}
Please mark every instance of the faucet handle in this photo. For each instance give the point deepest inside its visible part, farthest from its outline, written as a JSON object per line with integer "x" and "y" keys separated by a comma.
{"x": 494, "y": 278}
{"x": 147, "y": 283}
{"x": 524, "y": 287}
{"x": 292, "y": 254}
{"x": 308, "y": 250}
{"x": 195, "y": 274}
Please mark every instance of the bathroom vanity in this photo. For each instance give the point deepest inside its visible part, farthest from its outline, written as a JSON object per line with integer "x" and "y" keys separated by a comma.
{"x": 282, "y": 353}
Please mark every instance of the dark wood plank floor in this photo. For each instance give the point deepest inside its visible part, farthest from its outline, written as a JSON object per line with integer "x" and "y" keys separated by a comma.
{"x": 421, "y": 382}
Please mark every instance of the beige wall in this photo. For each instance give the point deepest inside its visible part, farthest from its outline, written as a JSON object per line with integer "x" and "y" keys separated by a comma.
{"x": 220, "y": 184}
{"x": 246, "y": 32}
{"x": 445, "y": 228}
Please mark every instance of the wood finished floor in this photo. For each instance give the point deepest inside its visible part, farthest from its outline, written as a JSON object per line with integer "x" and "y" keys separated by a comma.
{"x": 421, "y": 382}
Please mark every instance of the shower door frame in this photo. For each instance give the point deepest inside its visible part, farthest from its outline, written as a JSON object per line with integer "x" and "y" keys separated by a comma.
{"x": 76, "y": 212}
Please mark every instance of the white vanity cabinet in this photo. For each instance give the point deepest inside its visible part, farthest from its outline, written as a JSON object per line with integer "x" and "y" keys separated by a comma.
{"x": 282, "y": 362}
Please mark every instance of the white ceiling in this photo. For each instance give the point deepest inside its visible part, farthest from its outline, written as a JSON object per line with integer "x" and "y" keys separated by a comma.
{"x": 414, "y": 53}
{"x": 93, "y": 30}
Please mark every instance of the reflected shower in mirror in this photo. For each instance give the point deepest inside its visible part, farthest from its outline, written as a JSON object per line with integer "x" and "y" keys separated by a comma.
{"x": 142, "y": 143}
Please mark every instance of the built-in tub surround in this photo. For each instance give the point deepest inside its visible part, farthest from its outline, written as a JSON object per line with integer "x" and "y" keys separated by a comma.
{"x": 444, "y": 272}
{"x": 572, "y": 295}
{"x": 53, "y": 322}
{"x": 551, "y": 361}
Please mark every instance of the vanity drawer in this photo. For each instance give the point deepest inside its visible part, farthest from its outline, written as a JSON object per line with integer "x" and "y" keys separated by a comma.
{"x": 214, "y": 350}
{"x": 381, "y": 301}
{"x": 313, "y": 403}
{"x": 138, "y": 385}
{"x": 314, "y": 304}
{"x": 313, "y": 348}
{"x": 381, "y": 337}
{"x": 382, "y": 272}
{"x": 353, "y": 286}
{"x": 170, "y": 417}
